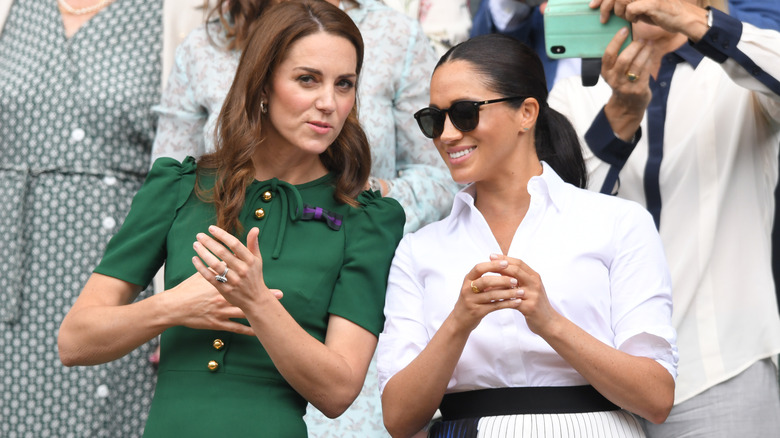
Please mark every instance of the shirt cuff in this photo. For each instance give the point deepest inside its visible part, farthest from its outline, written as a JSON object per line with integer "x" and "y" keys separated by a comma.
{"x": 721, "y": 39}
{"x": 604, "y": 144}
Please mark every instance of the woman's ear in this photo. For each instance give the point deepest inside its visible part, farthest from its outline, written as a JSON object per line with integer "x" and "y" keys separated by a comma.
{"x": 527, "y": 114}
{"x": 264, "y": 102}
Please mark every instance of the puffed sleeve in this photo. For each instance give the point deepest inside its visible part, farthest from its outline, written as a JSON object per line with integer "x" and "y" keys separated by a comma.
{"x": 423, "y": 184}
{"x": 181, "y": 116}
{"x": 371, "y": 238}
{"x": 137, "y": 250}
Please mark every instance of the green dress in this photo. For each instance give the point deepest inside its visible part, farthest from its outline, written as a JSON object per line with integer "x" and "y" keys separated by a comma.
{"x": 327, "y": 258}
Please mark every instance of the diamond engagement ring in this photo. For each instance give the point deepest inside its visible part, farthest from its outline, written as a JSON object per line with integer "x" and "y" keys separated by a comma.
{"x": 222, "y": 278}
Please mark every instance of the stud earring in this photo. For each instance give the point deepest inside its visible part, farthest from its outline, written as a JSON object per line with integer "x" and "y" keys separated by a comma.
{"x": 263, "y": 107}
{"x": 525, "y": 129}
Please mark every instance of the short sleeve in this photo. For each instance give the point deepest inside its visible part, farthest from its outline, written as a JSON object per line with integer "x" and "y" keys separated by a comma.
{"x": 137, "y": 250}
{"x": 372, "y": 234}
{"x": 641, "y": 291}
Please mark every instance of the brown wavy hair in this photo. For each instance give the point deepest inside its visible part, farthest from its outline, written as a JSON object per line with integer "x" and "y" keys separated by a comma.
{"x": 238, "y": 18}
{"x": 240, "y": 124}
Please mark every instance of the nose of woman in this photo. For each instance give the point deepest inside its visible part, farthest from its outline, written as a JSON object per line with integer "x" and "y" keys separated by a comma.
{"x": 326, "y": 101}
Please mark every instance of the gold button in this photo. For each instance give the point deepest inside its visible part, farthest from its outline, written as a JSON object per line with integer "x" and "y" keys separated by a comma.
{"x": 267, "y": 196}
{"x": 218, "y": 344}
{"x": 259, "y": 213}
{"x": 213, "y": 365}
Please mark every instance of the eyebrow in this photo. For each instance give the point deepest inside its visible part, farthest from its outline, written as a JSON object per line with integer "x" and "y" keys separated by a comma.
{"x": 318, "y": 72}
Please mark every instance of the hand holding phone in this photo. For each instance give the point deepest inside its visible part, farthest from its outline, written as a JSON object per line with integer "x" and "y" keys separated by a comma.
{"x": 573, "y": 30}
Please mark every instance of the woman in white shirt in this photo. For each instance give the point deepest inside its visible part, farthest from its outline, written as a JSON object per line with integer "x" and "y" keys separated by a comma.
{"x": 536, "y": 308}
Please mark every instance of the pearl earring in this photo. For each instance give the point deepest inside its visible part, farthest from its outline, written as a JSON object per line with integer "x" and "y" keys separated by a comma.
{"x": 263, "y": 107}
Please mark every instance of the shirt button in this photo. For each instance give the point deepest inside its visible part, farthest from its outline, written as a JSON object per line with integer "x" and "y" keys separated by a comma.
{"x": 267, "y": 196}
{"x": 663, "y": 84}
{"x": 109, "y": 223}
{"x": 218, "y": 344}
{"x": 78, "y": 134}
{"x": 102, "y": 391}
{"x": 259, "y": 213}
{"x": 213, "y": 365}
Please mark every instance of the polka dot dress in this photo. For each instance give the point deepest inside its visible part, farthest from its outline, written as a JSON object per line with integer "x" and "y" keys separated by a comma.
{"x": 76, "y": 130}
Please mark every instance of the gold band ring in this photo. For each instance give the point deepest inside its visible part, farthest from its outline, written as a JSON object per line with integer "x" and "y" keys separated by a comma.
{"x": 474, "y": 288}
{"x": 632, "y": 77}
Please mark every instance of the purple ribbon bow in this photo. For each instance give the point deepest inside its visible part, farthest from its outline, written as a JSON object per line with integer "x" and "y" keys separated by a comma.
{"x": 333, "y": 220}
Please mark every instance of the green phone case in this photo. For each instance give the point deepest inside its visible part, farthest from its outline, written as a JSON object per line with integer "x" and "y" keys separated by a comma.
{"x": 573, "y": 30}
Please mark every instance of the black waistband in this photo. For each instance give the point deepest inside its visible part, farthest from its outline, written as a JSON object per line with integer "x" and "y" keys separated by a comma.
{"x": 525, "y": 400}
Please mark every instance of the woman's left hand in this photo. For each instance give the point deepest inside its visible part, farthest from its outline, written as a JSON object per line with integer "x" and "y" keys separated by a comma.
{"x": 535, "y": 306}
{"x": 244, "y": 285}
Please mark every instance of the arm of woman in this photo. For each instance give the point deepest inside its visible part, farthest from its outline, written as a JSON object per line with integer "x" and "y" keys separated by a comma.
{"x": 104, "y": 324}
{"x": 637, "y": 373}
{"x": 419, "y": 370}
{"x": 330, "y": 374}
{"x": 422, "y": 183}
{"x": 729, "y": 41}
{"x": 637, "y": 384}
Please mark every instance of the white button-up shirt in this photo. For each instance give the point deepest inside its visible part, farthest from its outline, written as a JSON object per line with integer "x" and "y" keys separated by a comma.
{"x": 602, "y": 265}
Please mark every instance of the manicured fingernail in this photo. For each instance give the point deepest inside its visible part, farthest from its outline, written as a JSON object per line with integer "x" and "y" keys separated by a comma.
{"x": 624, "y": 31}
{"x": 520, "y": 293}
{"x": 503, "y": 263}
{"x": 513, "y": 282}
{"x": 494, "y": 256}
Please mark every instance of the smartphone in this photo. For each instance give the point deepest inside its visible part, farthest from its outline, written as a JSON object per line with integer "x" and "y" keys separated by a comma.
{"x": 573, "y": 30}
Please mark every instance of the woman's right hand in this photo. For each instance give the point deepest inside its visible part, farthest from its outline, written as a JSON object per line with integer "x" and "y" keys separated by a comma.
{"x": 199, "y": 305}
{"x": 628, "y": 74}
{"x": 481, "y": 294}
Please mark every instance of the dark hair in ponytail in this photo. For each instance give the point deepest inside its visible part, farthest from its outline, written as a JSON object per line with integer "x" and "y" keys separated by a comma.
{"x": 510, "y": 68}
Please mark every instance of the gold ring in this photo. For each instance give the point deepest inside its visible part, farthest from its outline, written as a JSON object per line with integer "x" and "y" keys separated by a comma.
{"x": 632, "y": 77}
{"x": 474, "y": 288}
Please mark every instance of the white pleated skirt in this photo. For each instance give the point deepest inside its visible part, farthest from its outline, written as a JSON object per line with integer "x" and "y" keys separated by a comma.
{"x": 606, "y": 424}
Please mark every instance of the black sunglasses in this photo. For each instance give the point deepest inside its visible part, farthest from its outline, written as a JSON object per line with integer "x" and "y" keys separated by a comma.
{"x": 464, "y": 116}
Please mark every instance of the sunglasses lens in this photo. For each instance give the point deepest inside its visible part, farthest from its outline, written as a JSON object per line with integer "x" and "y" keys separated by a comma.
{"x": 431, "y": 121}
{"x": 464, "y": 115}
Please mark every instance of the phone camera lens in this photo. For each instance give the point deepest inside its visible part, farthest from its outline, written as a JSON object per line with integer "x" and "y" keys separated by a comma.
{"x": 558, "y": 49}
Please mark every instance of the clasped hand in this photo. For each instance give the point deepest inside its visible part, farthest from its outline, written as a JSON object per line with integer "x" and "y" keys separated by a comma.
{"x": 217, "y": 302}
{"x": 516, "y": 286}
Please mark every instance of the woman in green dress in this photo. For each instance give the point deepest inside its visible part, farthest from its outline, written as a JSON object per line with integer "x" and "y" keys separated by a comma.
{"x": 276, "y": 257}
